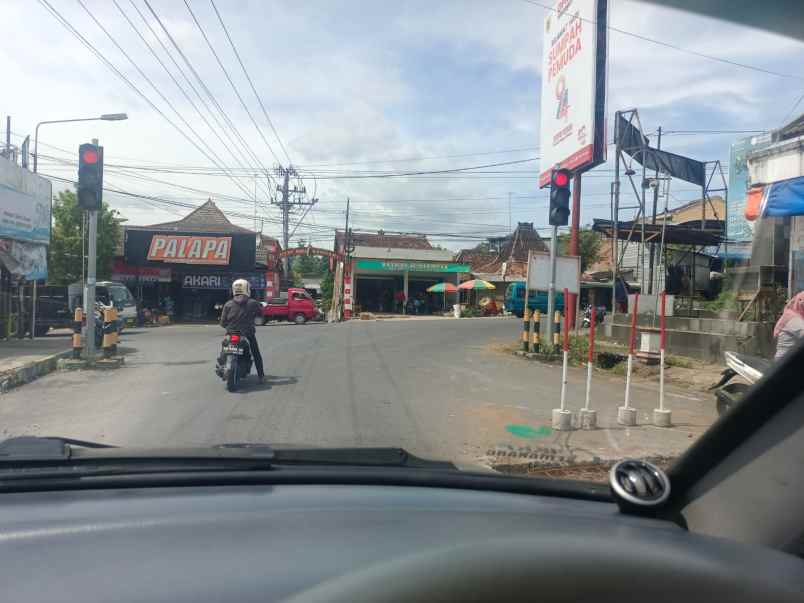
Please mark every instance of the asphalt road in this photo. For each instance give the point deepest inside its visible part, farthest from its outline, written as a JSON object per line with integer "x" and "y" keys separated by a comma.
{"x": 440, "y": 388}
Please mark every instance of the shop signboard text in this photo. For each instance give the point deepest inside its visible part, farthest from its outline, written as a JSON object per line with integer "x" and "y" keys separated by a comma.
{"x": 190, "y": 249}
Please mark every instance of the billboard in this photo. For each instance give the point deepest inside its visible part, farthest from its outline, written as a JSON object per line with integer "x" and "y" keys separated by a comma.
{"x": 568, "y": 272}
{"x": 190, "y": 249}
{"x": 24, "y": 204}
{"x": 738, "y": 228}
{"x": 573, "y": 102}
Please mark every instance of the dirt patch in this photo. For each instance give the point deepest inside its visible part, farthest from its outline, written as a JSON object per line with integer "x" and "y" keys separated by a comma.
{"x": 586, "y": 472}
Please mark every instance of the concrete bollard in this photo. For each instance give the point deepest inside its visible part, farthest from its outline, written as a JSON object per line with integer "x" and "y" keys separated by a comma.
{"x": 109, "y": 342}
{"x": 536, "y": 320}
{"x": 587, "y": 419}
{"x": 525, "y": 320}
{"x": 562, "y": 419}
{"x": 662, "y": 418}
{"x": 627, "y": 415}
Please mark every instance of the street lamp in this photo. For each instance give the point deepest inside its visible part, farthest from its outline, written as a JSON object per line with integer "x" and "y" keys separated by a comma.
{"x": 104, "y": 117}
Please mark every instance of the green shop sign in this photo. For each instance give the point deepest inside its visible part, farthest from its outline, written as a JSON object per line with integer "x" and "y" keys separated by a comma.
{"x": 398, "y": 266}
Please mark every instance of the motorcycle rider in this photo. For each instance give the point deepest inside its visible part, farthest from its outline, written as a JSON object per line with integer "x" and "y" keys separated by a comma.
{"x": 238, "y": 316}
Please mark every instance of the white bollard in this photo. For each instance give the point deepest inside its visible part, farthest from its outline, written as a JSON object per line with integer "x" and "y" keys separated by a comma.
{"x": 562, "y": 418}
{"x": 587, "y": 416}
{"x": 662, "y": 417}
{"x": 625, "y": 414}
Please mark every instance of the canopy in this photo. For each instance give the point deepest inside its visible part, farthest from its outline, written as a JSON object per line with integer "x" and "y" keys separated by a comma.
{"x": 476, "y": 284}
{"x": 442, "y": 288}
{"x": 780, "y": 199}
{"x": 673, "y": 235}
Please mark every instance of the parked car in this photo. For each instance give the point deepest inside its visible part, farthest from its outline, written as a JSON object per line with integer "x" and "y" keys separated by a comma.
{"x": 52, "y": 309}
{"x": 537, "y": 300}
{"x": 299, "y": 307}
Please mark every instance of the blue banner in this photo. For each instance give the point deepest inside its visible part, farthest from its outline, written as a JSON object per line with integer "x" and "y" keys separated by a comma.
{"x": 785, "y": 198}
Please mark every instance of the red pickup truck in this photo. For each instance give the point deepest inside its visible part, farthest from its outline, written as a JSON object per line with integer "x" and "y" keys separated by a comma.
{"x": 299, "y": 307}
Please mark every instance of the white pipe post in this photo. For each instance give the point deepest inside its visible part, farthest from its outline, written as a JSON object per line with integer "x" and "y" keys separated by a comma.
{"x": 625, "y": 414}
{"x": 564, "y": 382}
{"x": 661, "y": 380}
{"x": 562, "y": 418}
{"x": 662, "y": 417}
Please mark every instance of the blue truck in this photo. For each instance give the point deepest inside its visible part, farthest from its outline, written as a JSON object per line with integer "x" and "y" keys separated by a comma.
{"x": 537, "y": 300}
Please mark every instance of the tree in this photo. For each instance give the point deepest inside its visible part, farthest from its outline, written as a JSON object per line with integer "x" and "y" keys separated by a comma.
{"x": 588, "y": 247}
{"x": 65, "y": 250}
{"x": 327, "y": 287}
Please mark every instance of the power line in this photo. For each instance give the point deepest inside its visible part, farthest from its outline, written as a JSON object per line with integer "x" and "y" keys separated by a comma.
{"x": 241, "y": 158}
{"x": 248, "y": 77}
{"x": 229, "y": 79}
{"x": 109, "y": 65}
{"x": 405, "y": 159}
{"x": 679, "y": 48}
{"x": 203, "y": 85}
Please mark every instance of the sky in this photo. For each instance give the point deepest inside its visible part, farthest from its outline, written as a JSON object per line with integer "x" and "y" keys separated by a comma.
{"x": 357, "y": 88}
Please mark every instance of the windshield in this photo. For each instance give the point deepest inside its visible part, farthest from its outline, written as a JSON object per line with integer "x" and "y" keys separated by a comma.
{"x": 536, "y": 233}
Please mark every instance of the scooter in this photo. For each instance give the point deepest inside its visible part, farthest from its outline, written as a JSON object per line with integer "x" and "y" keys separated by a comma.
{"x": 750, "y": 368}
{"x": 234, "y": 361}
{"x": 587, "y": 316}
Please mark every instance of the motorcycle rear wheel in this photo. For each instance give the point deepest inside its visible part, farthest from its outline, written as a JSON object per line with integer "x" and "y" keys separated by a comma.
{"x": 232, "y": 373}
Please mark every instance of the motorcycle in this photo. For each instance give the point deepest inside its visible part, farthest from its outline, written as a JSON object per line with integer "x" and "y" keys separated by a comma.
{"x": 750, "y": 368}
{"x": 587, "y": 316}
{"x": 234, "y": 361}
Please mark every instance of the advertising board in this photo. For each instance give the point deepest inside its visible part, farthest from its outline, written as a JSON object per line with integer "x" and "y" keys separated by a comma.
{"x": 573, "y": 100}
{"x": 568, "y": 273}
{"x": 738, "y": 228}
{"x": 190, "y": 249}
{"x": 24, "y": 205}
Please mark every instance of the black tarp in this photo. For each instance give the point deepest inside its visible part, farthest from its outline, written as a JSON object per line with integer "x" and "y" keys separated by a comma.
{"x": 632, "y": 141}
{"x": 673, "y": 235}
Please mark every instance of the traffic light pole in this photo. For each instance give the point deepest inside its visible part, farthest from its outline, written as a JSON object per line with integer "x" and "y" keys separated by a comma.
{"x": 551, "y": 290}
{"x": 89, "y": 311}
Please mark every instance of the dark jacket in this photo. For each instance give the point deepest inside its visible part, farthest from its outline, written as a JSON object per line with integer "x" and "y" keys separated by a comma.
{"x": 238, "y": 314}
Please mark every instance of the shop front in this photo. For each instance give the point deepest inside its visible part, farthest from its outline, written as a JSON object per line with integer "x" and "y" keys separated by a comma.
{"x": 381, "y": 285}
{"x": 186, "y": 268}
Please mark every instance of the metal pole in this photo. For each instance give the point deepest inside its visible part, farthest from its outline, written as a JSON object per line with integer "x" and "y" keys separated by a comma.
{"x": 551, "y": 291}
{"x": 36, "y": 147}
{"x": 8, "y": 151}
{"x": 285, "y": 221}
{"x": 615, "y": 217}
{"x": 572, "y": 315}
{"x": 92, "y": 249}
{"x": 653, "y": 218}
{"x": 33, "y": 310}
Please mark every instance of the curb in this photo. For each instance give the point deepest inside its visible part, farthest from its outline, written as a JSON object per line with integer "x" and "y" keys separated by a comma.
{"x": 31, "y": 371}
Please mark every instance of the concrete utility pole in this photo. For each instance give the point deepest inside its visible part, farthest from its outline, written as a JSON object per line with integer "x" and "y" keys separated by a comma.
{"x": 286, "y": 205}
{"x": 90, "y": 286}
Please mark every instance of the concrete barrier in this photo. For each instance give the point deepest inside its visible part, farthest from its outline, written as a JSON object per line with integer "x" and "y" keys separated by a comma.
{"x": 32, "y": 370}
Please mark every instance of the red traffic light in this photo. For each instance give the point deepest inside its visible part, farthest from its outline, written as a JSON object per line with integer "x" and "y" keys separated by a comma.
{"x": 561, "y": 178}
{"x": 89, "y": 156}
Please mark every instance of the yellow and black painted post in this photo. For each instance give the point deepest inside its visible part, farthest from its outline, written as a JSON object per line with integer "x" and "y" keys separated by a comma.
{"x": 537, "y": 327}
{"x": 109, "y": 343}
{"x": 556, "y": 330}
{"x": 526, "y": 319}
{"x": 78, "y": 323}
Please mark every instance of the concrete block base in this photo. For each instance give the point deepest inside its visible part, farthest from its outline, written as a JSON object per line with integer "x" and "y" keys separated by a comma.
{"x": 662, "y": 418}
{"x": 109, "y": 363}
{"x": 626, "y": 416}
{"x": 72, "y": 364}
{"x": 562, "y": 419}
{"x": 587, "y": 419}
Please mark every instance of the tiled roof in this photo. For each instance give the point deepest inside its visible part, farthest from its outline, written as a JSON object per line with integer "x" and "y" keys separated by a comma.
{"x": 513, "y": 252}
{"x": 206, "y": 218}
{"x": 381, "y": 239}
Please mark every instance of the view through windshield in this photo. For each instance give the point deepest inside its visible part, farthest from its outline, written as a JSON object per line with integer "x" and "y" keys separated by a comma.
{"x": 537, "y": 237}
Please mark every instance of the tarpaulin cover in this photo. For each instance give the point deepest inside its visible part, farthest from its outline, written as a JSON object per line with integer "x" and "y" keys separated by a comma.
{"x": 785, "y": 198}
{"x": 632, "y": 141}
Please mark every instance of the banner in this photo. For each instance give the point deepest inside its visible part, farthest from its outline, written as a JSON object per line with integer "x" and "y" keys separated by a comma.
{"x": 26, "y": 260}
{"x": 143, "y": 274}
{"x": 221, "y": 281}
{"x": 190, "y": 249}
{"x": 573, "y": 99}
{"x": 24, "y": 204}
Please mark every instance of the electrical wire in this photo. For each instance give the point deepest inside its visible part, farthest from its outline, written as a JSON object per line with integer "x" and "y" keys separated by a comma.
{"x": 678, "y": 48}
{"x": 248, "y": 77}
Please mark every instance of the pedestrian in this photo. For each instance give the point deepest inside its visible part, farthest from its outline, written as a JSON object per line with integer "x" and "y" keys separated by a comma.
{"x": 238, "y": 316}
{"x": 399, "y": 298}
{"x": 789, "y": 328}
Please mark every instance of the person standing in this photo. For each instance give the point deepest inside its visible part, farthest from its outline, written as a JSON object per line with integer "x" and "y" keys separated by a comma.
{"x": 789, "y": 328}
{"x": 399, "y": 298}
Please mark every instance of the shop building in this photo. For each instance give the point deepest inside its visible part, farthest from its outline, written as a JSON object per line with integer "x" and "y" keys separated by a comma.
{"x": 187, "y": 267}
{"x": 385, "y": 267}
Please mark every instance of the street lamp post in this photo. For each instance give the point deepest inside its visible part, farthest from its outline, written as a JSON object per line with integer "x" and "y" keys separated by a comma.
{"x": 104, "y": 117}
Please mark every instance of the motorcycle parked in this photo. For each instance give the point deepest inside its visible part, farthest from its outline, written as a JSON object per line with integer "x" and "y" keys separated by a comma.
{"x": 587, "y": 316}
{"x": 234, "y": 361}
{"x": 750, "y": 368}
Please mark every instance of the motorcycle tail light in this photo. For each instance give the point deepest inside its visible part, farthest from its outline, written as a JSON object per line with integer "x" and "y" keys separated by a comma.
{"x": 234, "y": 338}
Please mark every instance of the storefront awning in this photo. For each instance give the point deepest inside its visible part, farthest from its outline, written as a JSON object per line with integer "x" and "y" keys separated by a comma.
{"x": 410, "y": 266}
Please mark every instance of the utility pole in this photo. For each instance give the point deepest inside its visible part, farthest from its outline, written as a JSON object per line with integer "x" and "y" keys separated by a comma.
{"x": 509, "y": 213}
{"x": 90, "y": 286}
{"x": 286, "y": 205}
{"x": 653, "y": 217}
{"x": 347, "y": 251}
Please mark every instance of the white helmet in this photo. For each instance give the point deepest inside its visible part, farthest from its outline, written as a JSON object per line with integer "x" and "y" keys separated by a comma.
{"x": 241, "y": 287}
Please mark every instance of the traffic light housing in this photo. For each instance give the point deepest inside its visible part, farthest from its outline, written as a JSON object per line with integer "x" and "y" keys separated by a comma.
{"x": 90, "y": 176}
{"x": 560, "y": 197}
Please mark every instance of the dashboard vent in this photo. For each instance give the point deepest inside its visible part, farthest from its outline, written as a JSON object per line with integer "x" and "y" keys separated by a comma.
{"x": 638, "y": 483}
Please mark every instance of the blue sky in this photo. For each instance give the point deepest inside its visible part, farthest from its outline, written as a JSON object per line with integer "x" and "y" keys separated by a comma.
{"x": 350, "y": 82}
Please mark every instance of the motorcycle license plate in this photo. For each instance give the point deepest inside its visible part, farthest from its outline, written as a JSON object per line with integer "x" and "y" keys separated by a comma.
{"x": 233, "y": 349}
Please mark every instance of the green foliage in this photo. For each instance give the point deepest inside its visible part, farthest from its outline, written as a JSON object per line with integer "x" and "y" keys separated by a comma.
{"x": 588, "y": 247}
{"x": 65, "y": 251}
{"x": 327, "y": 286}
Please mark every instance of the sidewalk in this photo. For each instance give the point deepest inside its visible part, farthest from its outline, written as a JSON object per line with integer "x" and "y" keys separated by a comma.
{"x": 22, "y": 360}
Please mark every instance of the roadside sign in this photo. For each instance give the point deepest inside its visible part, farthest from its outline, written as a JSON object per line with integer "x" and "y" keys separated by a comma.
{"x": 568, "y": 273}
